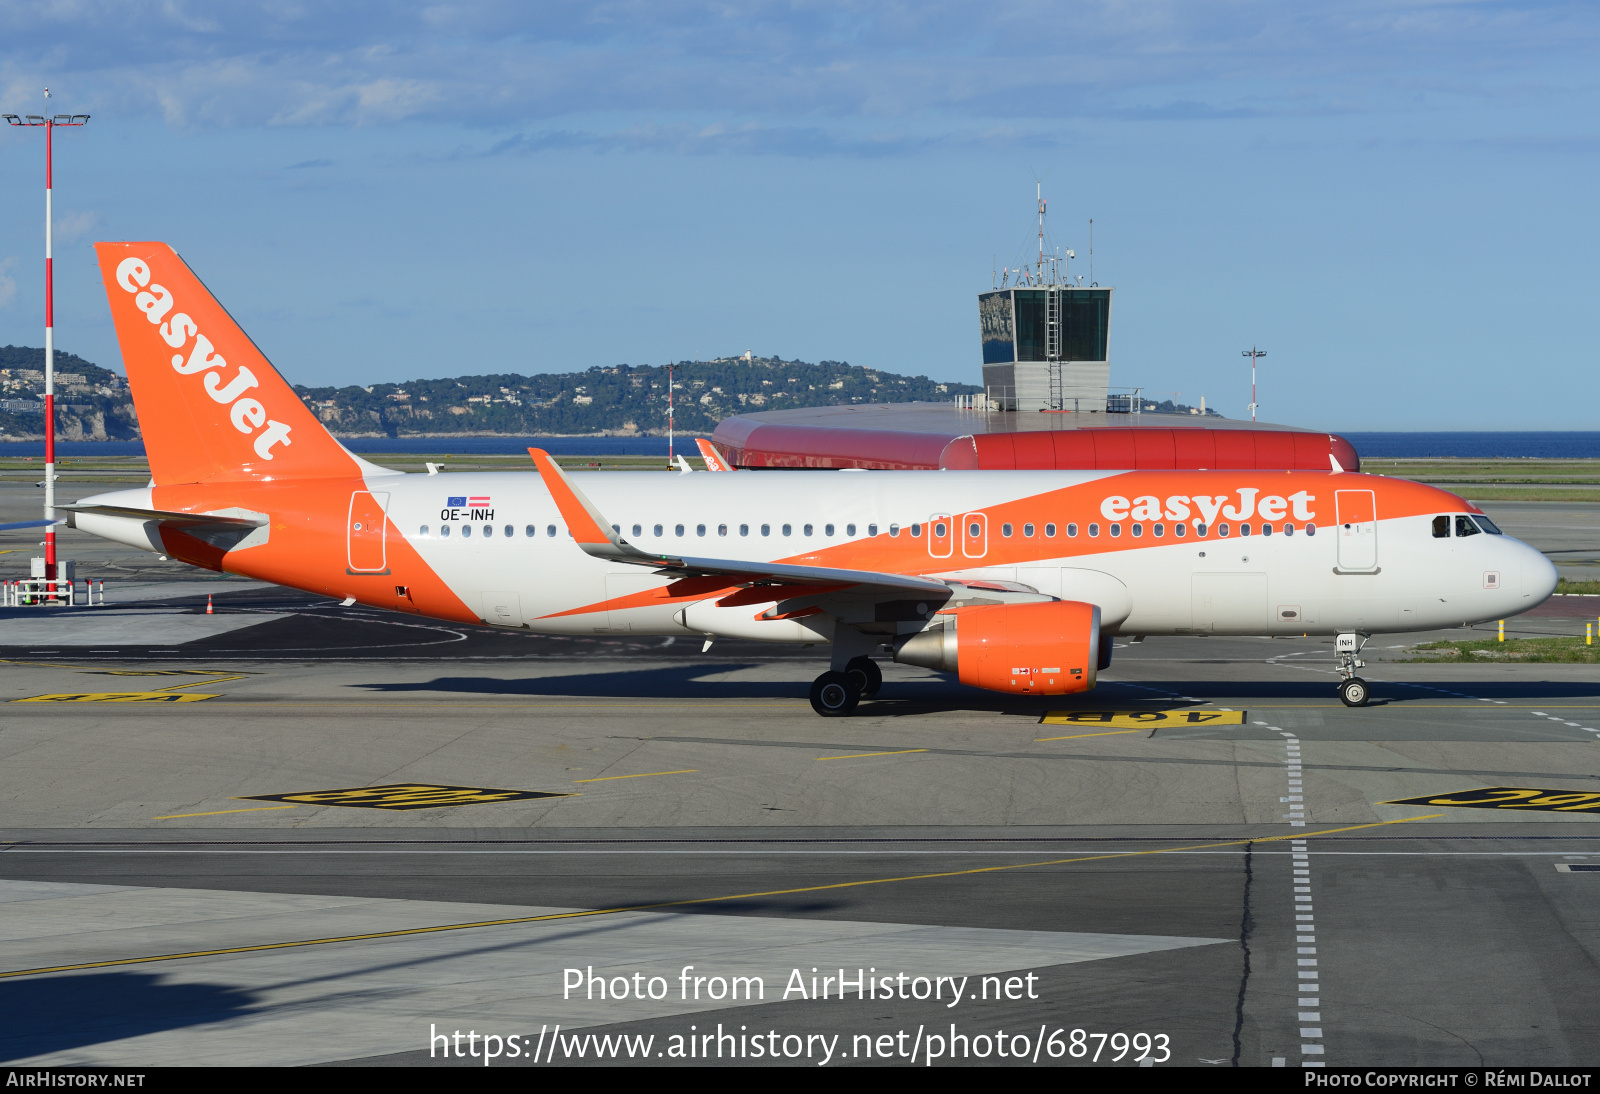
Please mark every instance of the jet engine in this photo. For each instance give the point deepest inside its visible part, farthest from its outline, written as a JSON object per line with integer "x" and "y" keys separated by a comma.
{"x": 1050, "y": 648}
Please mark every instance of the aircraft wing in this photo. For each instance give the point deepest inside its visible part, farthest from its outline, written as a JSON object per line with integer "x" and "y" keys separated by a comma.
{"x": 597, "y": 538}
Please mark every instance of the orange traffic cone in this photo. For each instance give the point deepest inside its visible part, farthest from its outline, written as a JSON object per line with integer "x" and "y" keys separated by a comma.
{"x": 208, "y": 605}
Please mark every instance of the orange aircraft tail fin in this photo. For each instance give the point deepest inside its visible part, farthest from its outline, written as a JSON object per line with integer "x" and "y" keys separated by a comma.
{"x": 211, "y": 406}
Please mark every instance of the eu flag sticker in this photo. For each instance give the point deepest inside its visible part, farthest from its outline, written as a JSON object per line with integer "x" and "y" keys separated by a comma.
{"x": 455, "y": 503}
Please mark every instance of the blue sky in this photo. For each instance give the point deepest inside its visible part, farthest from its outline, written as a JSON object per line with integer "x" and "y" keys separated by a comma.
{"x": 1396, "y": 200}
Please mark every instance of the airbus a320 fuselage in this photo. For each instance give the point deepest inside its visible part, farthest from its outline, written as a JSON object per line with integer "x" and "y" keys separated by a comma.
{"x": 1013, "y": 580}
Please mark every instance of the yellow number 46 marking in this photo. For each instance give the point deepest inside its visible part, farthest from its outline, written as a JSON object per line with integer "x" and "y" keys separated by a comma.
{"x": 118, "y": 697}
{"x": 1144, "y": 719}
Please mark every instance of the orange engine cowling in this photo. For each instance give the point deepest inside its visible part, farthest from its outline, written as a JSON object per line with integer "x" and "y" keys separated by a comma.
{"x": 1049, "y": 648}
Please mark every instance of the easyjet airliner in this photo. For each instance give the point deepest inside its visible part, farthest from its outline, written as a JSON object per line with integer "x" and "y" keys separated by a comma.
{"x": 1013, "y": 580}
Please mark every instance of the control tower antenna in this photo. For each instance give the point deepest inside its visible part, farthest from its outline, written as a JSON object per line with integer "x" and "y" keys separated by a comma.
{"x": 1040, "y": 194}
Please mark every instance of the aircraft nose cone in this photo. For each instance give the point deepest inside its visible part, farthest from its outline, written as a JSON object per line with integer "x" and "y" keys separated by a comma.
{"x": 1539, "y": 577}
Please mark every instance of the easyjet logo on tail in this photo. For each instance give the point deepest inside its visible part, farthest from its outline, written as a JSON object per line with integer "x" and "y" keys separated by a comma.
{"x": 247, "y": 415}
{"x": 1180, "y": 507}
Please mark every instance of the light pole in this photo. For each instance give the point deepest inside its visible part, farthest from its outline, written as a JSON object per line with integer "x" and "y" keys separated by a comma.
{"x": 1253, "y": 353}
{"x": 49, "y": 123}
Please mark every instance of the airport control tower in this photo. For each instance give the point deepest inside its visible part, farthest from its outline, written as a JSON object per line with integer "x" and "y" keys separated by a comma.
{"x": 1045, "y": 337}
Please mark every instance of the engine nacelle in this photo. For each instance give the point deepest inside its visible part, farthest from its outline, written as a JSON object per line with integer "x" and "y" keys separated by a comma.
{"x": 1036, "y": 649}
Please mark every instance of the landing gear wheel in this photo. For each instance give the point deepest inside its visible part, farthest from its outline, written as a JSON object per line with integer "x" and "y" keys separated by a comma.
{"x": 1354, "y": 692}
{"x": 834, "y": 694}
{"x": 866, "y": 674}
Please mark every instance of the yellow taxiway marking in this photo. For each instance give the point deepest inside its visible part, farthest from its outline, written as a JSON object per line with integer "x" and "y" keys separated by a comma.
{"x": 219, "y": 812}
{"x": 864, "y": 755}
{"x": 1144, "y": 719}
{"x": 642, "y": 775}
{"x": 409, "y": 931}
{"x": 1076, "y": 736}
{"x": 169, "y": 694}
{"x": 118, "y": 697}
{"x": 1510, "y": 797}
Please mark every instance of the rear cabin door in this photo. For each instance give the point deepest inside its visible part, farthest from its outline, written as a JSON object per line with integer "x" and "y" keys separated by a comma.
{"x": 365, "y": 531}
{"x": 1357, "y": 514}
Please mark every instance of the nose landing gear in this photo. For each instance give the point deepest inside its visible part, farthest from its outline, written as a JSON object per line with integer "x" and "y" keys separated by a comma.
{"x": 1353, "y": 691}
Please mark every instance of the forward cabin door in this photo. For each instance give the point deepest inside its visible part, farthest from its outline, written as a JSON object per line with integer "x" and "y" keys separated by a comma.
{"x": 364, "y": 533}
{"x": 1357, "y": 514}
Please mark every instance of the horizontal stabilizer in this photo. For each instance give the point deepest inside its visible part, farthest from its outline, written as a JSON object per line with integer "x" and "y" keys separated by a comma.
{"x": 166, "y": 516}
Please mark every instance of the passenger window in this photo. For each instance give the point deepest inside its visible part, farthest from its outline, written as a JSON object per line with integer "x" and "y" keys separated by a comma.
{"x": 1244, "y": 529}
{"x": 894, "y": 529}
{"x": 973, "y": 531}
{"x": 1005, "y": 530}
{"x": 1138, "y": 529}
{"x": 550, "y": 530}
{"x": 530, "y": 531}
{"x": 1311, "y": 529}
{"x": 1200, "y": 529}
{"x": 658, "y": 529}
{"x": 1158, "y": 530}
{"x": 1094, "y": 529}
{"x": 1027, "y": 530}
{"x": 1116, "y": 530}
{"x": 466, "y": 531}
{"x": 938, "y": 529}
{"x": 1465, "y": 527}
{"x": 1266, "y": 529}
{"x": 827, "y": 529}
{"x": 637, "y": 531}
{"x": 1288, "y": 529}
{"x": 805, "y": 529}
{"x": 916, "y": 530}
{"x": 788, "y": 529}
{"x": 1222, "y": 529}
{"x": 677, "y": 530}
{"x": 423, "y": 530}
{"x": 766, "y": 529}
{"x": 722, "y": 529}
{"x": 511, "y": 530}
{"x": 699, "y": 529}
{"x": 444, "y": 530}
{"x": 488, "y": 530}
{"x": 1180, "y": 530}
{"x": 1441, "y": 527}
{"x": 744, "y": 529}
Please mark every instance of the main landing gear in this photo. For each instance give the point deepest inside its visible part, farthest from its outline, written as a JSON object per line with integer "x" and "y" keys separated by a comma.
{"x": 835, "y": 694}
{"x": 1353, "y": 691}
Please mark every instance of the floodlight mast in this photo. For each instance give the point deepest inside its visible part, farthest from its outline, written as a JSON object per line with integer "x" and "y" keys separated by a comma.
{"x": 49, "y": 122}
{"x": 1253, "y": 353}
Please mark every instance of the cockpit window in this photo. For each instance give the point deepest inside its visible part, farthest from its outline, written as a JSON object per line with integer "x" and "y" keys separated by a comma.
{"x": 1487, "y": 525}
{"x": 1441, "y": 527}
{"x": 1464, "y": 525}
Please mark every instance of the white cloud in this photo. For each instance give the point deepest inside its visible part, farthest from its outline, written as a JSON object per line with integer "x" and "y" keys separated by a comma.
{"x": 795, "y": 65}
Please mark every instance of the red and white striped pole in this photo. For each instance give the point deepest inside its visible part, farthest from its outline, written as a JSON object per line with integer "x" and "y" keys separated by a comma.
{"x": 49, "y": 124}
